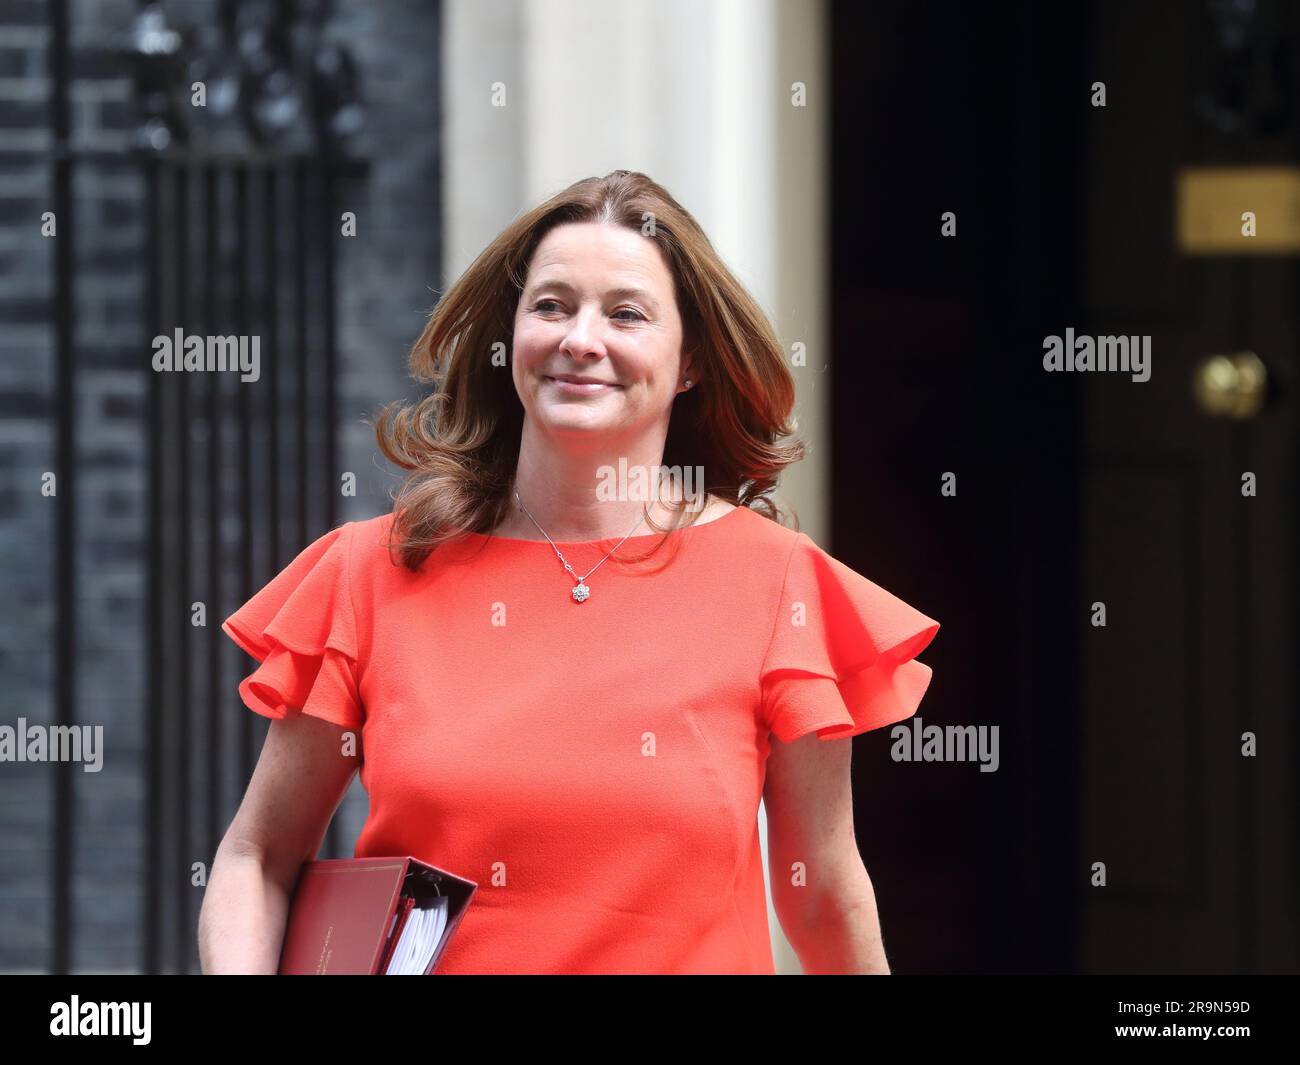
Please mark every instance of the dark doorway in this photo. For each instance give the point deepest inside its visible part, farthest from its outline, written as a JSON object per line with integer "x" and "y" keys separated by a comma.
{"x": 1119, "y": 744}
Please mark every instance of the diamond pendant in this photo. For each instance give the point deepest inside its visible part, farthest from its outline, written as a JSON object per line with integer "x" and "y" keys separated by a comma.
{"x": 581, "y": 592}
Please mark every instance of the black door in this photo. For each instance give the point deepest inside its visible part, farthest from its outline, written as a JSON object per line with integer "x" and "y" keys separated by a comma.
{"x": 1119, "y": 744}
{"x": 1196, "y": 564}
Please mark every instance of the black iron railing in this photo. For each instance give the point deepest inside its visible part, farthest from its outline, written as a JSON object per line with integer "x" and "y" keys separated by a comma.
{"x": 238, "y": 241}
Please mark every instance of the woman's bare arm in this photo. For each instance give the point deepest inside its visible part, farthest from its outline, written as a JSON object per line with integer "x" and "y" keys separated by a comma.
{"x": 301, "y": 777}
{"x": 829, "y": 915}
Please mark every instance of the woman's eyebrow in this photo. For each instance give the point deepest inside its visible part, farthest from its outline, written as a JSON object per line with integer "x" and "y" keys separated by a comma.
{"x": 623, "y": 292}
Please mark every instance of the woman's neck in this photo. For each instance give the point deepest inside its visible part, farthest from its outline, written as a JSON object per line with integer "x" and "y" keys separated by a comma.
{"x": 602, "y": 520}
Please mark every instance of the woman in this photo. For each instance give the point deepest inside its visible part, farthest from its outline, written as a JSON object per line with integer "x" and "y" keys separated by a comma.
{"x": 567, "y": 687}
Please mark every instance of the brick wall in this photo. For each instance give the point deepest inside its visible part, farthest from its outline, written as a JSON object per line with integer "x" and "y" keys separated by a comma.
{"x": 384, "y": 279}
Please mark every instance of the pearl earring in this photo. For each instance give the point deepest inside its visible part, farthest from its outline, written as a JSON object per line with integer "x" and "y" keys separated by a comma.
{"x": 687, "y": 382}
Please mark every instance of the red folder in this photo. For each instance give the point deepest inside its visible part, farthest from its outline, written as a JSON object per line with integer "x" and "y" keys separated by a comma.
{"x": 347, "y": 914}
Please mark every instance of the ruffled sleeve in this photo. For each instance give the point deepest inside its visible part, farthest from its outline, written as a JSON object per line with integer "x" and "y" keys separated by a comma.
{"x": 842, "y": 655}
{"x": 301, "y": 629}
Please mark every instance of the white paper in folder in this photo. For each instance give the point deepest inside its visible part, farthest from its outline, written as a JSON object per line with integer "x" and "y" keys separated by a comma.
{"x": 420, "y": 938}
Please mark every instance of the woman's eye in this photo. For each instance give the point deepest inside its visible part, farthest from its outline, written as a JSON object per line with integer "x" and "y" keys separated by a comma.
{"x": 550, "y": 306}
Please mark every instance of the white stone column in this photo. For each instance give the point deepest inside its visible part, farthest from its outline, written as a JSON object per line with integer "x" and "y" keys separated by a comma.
{"x": 699, "y": 95}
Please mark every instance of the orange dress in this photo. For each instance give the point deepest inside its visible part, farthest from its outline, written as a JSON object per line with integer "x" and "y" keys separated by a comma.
{"x": 595, "y": 767}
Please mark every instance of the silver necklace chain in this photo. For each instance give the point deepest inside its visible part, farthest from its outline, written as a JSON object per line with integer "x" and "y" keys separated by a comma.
{"x": 581, "y": 593}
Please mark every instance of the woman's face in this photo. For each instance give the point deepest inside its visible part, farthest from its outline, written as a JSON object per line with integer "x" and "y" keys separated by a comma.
{"x": 597, "y": 304}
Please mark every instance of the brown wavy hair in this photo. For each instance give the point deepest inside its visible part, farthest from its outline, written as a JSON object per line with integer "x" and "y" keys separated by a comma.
{"x": 460, "y": 444}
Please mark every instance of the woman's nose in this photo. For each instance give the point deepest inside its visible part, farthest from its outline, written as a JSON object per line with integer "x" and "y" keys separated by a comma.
{"x": 584, "y": 334}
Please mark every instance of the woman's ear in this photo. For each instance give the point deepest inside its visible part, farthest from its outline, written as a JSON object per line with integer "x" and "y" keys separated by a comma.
{"x": 688, "y": 372}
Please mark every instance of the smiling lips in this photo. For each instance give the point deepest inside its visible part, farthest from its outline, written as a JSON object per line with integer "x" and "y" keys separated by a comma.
{"x": 580, "y": 386}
